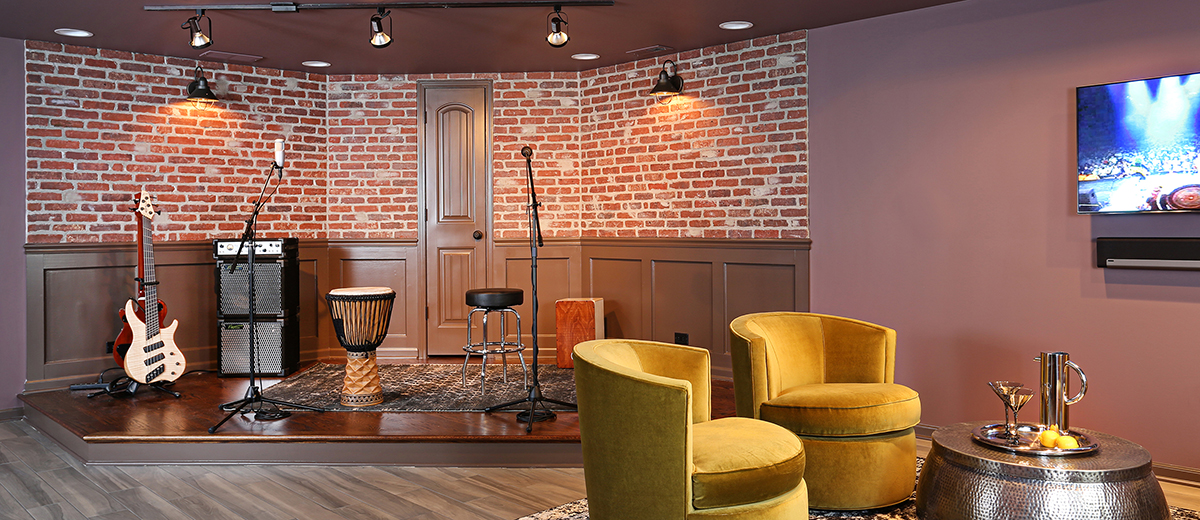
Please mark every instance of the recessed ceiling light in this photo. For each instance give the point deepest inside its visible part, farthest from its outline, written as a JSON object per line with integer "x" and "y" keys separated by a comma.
{"x": 585, "y": 56}
{"x": 315, "y": 63}
{"x": 77, "y": 33}
{"x": 736, "y": 25}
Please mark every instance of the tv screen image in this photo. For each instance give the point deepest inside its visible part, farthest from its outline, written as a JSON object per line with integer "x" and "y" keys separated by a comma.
{"x": 1138, "y": 146}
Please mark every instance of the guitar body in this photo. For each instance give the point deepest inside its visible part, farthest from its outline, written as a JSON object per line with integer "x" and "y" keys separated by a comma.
{"x": 154, "y": 359}
{"x": 125, "y": 337}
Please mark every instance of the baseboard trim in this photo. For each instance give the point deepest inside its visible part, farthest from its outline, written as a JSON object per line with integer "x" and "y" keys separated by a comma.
{"x": 9, "y": 414}
{"x": 925, "y": 431}
{"x": 1181, "y": 475}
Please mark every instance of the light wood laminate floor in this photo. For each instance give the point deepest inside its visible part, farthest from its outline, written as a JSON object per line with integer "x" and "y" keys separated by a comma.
{"x": 41, "y": 481}
{"x": 38, "y": 480}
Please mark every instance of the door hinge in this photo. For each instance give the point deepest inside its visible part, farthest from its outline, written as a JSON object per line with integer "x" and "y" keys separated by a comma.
{"x": 426, "y": 313}
{"x": 426, "y": 113}
{"x": 426, "y": 214}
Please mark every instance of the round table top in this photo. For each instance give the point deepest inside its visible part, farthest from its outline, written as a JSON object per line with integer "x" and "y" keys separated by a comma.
{"x": 1115, "y": 460}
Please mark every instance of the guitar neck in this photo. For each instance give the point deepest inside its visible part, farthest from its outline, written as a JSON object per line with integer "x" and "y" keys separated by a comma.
{"x": 149, "y": 283}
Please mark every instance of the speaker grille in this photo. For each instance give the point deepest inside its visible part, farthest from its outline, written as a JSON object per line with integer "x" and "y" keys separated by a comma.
{"x": 235, "y": 293}
{"x": 275, "y": 350}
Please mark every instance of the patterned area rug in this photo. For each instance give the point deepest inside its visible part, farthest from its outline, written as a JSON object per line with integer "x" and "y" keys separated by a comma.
{"x": 906, "y": 510}
{"x": 426, "y": 388}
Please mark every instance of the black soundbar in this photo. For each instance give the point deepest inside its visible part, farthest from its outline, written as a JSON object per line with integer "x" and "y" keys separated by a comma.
{"x": 1148, "y": 253}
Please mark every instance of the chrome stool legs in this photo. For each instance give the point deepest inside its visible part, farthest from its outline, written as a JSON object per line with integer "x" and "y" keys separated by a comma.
{"x": 486, "y": 347}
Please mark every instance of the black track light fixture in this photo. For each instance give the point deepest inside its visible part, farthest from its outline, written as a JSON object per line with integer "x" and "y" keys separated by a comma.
{"x": 197, "y": 38}
{"x": 557, "y": 22}
{"x": 198, "y": 92}
{"x": 669, "y": 85}
{"x": 380, "y": 38}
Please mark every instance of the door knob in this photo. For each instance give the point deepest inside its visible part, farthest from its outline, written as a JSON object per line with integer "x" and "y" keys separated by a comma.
{"x": 477, "y": 234}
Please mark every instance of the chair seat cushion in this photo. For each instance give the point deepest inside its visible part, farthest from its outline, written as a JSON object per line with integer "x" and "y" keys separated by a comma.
{"x": 742, "y": 461}
{"x": 844, "y": 409}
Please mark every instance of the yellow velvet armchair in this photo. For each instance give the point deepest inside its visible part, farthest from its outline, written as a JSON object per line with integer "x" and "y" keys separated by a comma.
{"x": 830, "y": 380}
{"x": 651, "y": 452}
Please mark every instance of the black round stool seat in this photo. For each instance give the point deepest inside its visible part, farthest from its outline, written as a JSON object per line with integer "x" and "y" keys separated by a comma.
{"x": 495, "y": 298}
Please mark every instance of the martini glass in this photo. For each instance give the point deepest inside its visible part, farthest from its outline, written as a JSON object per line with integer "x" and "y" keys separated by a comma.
{"x": 1005, "y": 389}
{"x": 1016, "y": 400}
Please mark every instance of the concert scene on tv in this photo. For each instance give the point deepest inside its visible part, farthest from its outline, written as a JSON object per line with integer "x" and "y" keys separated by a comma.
{"x": 1139, "y": 150}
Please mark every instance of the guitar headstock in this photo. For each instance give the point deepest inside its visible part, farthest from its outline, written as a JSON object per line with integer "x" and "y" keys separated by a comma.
{"x": 146, "y": 206}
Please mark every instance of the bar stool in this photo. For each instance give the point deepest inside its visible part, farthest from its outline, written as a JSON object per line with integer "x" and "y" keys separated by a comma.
{"x": 487, "y": 301}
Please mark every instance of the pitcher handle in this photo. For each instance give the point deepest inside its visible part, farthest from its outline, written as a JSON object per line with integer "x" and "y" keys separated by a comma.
{"x": 1082, "y": 383}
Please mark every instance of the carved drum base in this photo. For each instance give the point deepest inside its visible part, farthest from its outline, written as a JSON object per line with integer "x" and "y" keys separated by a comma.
{"x": 361, "y": 386}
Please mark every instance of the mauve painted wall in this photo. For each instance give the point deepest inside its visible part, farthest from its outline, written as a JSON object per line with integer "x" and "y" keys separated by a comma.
{"x": 943, "y": 205}
{"x": 12, "y": 221}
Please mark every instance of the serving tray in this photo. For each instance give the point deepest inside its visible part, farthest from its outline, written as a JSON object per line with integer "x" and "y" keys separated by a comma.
{"x": 994, "y": 436}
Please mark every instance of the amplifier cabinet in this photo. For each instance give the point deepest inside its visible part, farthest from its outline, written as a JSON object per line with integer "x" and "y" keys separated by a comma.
{"x": 276, "y": 345}
{"x": 276, "y": 288}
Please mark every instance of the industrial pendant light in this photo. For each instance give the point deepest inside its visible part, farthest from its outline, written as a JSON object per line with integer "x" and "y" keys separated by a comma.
{"x": 558, "y": 28}
{"x": 379, "y": 38}
{"x": 196, "y": 38}
{"x": 668, "y": 86}
{"x": 198, "y": 92}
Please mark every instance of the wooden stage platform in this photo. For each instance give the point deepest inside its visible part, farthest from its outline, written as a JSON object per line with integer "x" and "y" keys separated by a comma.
{"x": 152, "y": 427}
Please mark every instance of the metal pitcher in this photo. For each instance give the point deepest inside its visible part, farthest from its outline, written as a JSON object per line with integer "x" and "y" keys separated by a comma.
{"x": 1054, "y": 388}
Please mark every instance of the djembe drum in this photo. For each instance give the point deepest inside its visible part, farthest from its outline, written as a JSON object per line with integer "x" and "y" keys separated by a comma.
{"x": 360, "y": 319}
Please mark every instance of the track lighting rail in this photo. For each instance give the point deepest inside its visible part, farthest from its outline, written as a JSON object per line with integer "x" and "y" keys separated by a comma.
{"x": 293, "y": 6}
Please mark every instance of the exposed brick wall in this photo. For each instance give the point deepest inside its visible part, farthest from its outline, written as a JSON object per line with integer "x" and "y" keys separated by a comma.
{"x": 726, "y": 160}
{"x": 373, "y": 177}
{"x": 103, "y": 124}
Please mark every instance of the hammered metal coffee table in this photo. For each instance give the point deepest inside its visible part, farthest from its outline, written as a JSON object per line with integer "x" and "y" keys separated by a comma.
{"x": 964, "y": 480}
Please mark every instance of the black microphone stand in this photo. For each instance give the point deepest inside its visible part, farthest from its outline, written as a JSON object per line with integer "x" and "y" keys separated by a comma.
{"x": 535, "y": 397}
{"x": 253, "y": 392}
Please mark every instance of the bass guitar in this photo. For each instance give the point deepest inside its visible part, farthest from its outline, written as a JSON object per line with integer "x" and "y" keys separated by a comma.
{"x": 153, "y": 356}
{"x": 125, "y": 337}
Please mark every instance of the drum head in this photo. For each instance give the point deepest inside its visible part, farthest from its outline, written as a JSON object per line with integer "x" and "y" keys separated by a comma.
{"x": 361, "y": 291}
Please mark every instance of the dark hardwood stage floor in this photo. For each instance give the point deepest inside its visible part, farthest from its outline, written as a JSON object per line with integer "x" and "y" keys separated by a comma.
{"x": 152, "y": 427}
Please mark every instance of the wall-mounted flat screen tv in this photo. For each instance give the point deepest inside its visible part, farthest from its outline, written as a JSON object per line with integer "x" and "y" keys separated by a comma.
{"x": 1139, "y": 146}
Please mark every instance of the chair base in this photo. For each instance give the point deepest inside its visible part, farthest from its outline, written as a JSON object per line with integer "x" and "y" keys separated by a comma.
{"x": 856, "y": 473}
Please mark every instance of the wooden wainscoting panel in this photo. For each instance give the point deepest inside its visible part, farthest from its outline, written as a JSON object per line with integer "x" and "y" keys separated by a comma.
{"x": 312, "y": 307}
{"x": 554, "y": 283}
{"x": 74, "y": 294}
{"x": 753, "y": 288}
{"x": 78, "y": 323}
{"x": 383, "y": 264}
{"x": 619, "y": 282}
{"x": 189, "y": 292}
{"x": 682, "y": 301}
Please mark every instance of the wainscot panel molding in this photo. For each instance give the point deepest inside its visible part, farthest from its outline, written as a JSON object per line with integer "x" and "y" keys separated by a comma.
{"x": 653, "y": 288}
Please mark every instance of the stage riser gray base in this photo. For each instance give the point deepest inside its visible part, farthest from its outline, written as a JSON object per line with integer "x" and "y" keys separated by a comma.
{"x": 261, "y": 450}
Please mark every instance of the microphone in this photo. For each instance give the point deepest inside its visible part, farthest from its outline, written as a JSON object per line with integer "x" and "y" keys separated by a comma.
{"x": 279, "y": 157}
{"x": 527, "y": 152}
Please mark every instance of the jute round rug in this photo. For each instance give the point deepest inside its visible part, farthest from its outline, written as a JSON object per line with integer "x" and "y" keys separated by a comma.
{"x": 426, "y": 388}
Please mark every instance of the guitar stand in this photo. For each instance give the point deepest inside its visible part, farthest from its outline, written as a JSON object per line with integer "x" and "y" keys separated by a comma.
{"x": 122, "y": 386}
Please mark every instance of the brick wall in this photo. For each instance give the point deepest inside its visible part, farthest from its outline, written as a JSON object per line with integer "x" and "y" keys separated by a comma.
{"x": 726, "y": 160}
{"x": 103, "y": 124}
{"x": 373, "y": 178}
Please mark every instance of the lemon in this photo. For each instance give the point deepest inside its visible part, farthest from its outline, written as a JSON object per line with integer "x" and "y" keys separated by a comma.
{"x": 1066, "y": 442}
{"x": 1048, "y": 438}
